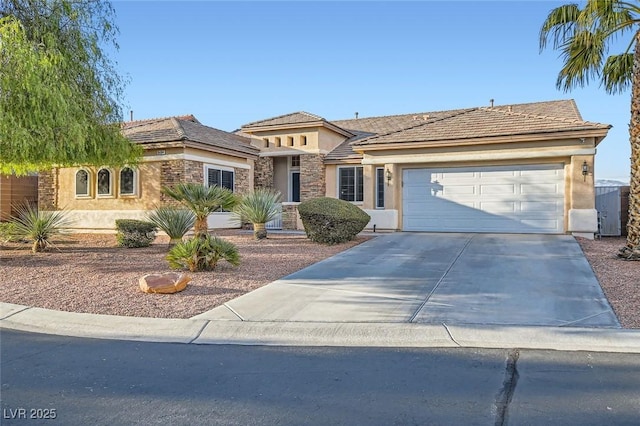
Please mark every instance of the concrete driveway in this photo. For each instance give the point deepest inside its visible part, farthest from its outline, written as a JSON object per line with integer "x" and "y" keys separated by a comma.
{"x": 501, "y": 279}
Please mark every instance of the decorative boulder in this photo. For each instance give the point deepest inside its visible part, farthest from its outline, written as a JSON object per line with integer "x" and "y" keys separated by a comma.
{"x": 169, "y": 282}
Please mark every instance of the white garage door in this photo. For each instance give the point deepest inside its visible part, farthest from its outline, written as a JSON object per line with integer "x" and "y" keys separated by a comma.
{"x": 501, "y": 199}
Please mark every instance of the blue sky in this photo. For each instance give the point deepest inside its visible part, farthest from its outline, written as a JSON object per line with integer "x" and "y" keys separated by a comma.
{"x": 230, "y": 63}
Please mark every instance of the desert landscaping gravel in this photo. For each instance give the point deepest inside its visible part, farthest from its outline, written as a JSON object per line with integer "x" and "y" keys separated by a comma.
{"x": 619, "y": 279}
{"x": 88, "y": 273}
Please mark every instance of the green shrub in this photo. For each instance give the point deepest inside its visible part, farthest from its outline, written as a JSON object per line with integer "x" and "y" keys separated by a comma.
{"x": 259, "y": 207}
{"x": 175, "y": 222}
{"x": 8, "y": 232}
{"x": 202, "y": 253}
{"x": 39, "y": 226}
{"x": 135, "y": 233}
{"x": 331, "y": 221}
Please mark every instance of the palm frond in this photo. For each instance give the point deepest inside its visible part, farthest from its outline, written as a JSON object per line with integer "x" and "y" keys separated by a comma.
{"x": 39, "y": 226}
{"x": 174, "y": 222}
{"x": 259, "y": 206}
{"x": 617, "y": 73}
{"x": 559, "y": 25}
{"x": 583, "y": 58}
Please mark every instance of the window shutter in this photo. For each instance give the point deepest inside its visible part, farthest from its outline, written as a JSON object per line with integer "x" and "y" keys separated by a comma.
{"x": 227, "y": 179}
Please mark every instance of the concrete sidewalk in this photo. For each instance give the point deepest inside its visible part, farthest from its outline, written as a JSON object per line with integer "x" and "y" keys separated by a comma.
{"x": 397, "y": 290}
{"x": 201, "y": 331}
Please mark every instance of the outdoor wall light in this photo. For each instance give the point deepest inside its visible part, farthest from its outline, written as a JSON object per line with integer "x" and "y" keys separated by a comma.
{"x": 585, "y": 170}
{"x": 389, "y": 176}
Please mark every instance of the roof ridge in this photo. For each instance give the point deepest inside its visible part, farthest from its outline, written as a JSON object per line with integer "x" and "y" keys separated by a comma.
{"x": 282, "y": 116}
{"x": 544, "y": 117}
{"x": 415, "y": 114}
{"x": 454, "y": 113}
{"x": 145, "y": 121}
{"x": 182, "y": 134}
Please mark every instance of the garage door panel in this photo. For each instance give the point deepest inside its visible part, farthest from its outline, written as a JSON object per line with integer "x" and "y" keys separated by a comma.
{"x": 484, "y": 199}
{"x": 498, "y": 207}
{"x": 459, "y": 190}
{"x": 539, "y": 188}
{"x": 493, "y": 189}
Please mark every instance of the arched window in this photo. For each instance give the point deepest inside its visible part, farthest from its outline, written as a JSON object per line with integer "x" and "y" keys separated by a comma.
{"x": 104, "y": 182}
{"x": 83, "y": 183}
{"x": 128, "y": 181}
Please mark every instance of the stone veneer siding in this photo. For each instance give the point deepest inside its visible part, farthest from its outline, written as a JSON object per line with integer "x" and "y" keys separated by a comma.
{"x": 47, "y": 189}
{"x": 289, "y": 217}
{"x": 312, "y": 180}
{"x": 241, "y": 181}
{"x": 263, "y": 173}
{"x": 173, "y": 172}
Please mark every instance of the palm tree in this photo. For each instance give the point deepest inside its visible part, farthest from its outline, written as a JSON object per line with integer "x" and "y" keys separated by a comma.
{"x": 583, "y": 36}
{"x": 259, "y": 207}
{"x": 202, "y": 201}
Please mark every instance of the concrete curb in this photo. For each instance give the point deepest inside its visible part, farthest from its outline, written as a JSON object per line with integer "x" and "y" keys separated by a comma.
{"x": 206, "y": 332}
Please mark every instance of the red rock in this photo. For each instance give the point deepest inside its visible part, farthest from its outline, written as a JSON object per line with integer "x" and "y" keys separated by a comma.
{"x": 169, "y": 282}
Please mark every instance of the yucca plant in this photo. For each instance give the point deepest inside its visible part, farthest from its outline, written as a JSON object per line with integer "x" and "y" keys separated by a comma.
{"x": 202, "y": 253}
{"x": 202, "y": 201}
{"x": 259, "y": 207}
{"x": 174, "y": 222}
{"x": 39, "y": 226}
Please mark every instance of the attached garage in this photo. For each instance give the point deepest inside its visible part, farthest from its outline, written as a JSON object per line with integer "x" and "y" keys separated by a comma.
{"x": 497, "y": 199}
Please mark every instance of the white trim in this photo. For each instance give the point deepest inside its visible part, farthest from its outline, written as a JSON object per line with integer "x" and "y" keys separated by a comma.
{"x": 111, "y": 181}
{"x": 75, "y": 184}
{"x": 199, "y": 158}
{"x": 354, "y": 166}
{"x": 136, "y": 187}
{"x": 515, "y": 154}
{"x": 208, "y": 167}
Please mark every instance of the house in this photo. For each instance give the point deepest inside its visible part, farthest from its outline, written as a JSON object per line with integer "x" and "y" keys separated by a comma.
{"x": 521, "y": 168}
{"x": 176, "y": 149}
{"x": 524, "y": 168}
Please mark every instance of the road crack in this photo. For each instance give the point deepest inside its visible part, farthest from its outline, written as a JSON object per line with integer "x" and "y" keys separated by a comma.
{"x": 508, "y": 388}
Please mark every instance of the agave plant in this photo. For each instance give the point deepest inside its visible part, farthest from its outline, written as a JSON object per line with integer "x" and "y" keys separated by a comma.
{"x": 174, "y": 222}
{"x": 202, "y": 253}
{"x": 202, "y": 201}
{"x": 259, "y": 207}
{"x": 39, "y": 226}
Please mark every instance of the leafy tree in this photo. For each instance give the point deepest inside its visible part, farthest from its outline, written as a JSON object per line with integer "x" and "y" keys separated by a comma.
{"x": 60, "y": 94}
{"x": 584, "y": 36}
{"x": 202, "y": 201}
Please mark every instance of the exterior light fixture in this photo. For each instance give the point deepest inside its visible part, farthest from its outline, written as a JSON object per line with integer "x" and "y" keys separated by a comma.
{"x": 389, "y": 176}
{"x": 585, "y": 170}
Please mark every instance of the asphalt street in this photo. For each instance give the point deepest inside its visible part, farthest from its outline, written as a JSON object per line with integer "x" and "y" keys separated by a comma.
{"x": 82, "y": 381}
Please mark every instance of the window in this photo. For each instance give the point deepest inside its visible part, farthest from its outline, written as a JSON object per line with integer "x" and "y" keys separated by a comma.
{"x": 380, "y": 188}
{"x": 303, "y": 140}
{"x": 289, "y": 140}
{"x": 83, "y": 183}
{"x": 218, "y": 177}
{"x": 127, "y": 181}
{"x": 350, "y": 183}
{"x": 278, "y": 142}
{"x": 104, "y": 182}
{"x": 295, "y": 161}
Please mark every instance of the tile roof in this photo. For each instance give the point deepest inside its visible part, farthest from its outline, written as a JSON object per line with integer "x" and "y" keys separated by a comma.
{"x": 293, "y": 118}
{"x": 187, "y": 129}
{"x": 504, "y": 120}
